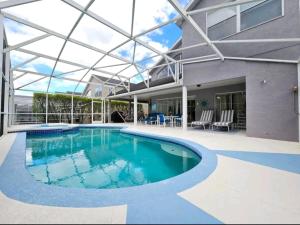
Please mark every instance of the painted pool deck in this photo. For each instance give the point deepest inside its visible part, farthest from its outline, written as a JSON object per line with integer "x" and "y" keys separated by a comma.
{"x": 256, "y": 181}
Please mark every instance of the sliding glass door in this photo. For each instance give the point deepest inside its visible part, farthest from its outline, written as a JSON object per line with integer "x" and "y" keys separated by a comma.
{"x": 191, "y": 110}
{"x": 232, "y": 101}
{"x": 173, "y": 106}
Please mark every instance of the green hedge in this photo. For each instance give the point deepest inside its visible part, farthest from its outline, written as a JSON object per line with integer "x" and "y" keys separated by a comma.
{"x": 60, "y": 103}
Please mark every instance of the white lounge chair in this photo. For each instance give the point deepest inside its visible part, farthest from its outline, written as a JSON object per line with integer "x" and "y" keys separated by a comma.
{"x": 226, "y": 119}
{"x": 206, "y": 119}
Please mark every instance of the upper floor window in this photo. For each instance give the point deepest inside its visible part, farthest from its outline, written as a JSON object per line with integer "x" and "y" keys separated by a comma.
{"x": 89, "y": 93}
{"x": 221, "y": 23}
{"x": 163, "y": 73}
{"x": 167, "y": 71}
{"x": 225, "y": 22}
{"x": 256, "y": 13}
{"x": 98, "y": 92}
{"x": 172, "y": 69}
{"x": 111, "y": 90}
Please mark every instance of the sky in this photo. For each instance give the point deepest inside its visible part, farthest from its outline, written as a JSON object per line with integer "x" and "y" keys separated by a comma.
{"x": 148, "y": 14}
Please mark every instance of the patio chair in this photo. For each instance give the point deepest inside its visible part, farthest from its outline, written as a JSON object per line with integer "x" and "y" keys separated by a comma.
{"x": 205, "y": 120}
{"x": 151, "y": 119}
{"x": 226, "y": 119}
{"x": 161, "y": 120}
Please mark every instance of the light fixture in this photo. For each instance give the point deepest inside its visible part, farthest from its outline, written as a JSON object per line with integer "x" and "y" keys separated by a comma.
{"x": 295, "y": 89}
{"x": 263, "y": 82}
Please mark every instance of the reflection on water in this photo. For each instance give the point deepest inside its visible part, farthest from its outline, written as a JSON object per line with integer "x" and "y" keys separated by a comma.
{"x": 104, "y": 159}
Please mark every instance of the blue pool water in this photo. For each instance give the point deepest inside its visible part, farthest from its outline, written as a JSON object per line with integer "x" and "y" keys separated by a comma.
{"x": 102, "y": 158}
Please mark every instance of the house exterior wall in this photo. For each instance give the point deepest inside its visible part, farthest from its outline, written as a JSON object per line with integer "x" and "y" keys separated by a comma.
{"x": 198, "y": 73}
{"x": 271, "y": 106}
{"x": 287, "y": 26}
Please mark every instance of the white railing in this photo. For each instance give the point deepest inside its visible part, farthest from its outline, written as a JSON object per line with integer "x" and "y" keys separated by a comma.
{"x": 40, "y": 118}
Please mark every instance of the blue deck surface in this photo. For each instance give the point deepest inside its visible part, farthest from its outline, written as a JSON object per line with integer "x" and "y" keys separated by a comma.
{"x": 152, "y": 203}
{"x": 286, "y": 162}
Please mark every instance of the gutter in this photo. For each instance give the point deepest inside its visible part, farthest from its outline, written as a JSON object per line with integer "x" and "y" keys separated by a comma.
{"x": 148, "y": 90}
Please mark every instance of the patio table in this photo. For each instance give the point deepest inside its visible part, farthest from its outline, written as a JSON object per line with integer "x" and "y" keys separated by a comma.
{"x": 172, "y": 119}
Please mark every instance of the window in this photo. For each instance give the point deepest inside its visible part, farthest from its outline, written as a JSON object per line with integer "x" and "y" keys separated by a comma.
{"x": 222, "y": 29}
{"x": 225, "y": 22}
{"x": 111, "y": 90}
{"x": 89, "y": 93}
{"x": 98, "y": 92}
{"x": 221, "y": 23}
{"x": 167, "y": 71}
{"x": 153, "y": 107}
{"x": 173, "y": 65}
{"x": 162, "y": 73}
{"x": 255, "y": 14}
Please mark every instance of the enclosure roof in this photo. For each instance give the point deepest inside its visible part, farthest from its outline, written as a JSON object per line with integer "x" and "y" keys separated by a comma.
{"x": 58, "y": 45}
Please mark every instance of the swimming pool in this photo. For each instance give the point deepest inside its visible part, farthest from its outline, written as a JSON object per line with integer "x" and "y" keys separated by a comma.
{"x": 104, "y": 158}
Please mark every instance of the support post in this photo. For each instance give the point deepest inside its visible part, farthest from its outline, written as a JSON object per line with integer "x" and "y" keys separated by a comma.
{"x": 299, "y": 100}
{"x": 177, "y": 72}
{"x": 135, "y": 110}
{"x": 1, "y": 64}
{"x": 104, "y": 110}
{"x": 0, "y": 95}
{"x": 72, "y": 110}
{"x": 6, "y": 93}
{"x": 11, "y": 100}
{"x": 238, "y": 14}
{"x": 130, "y": 107}
{"x": 92, "y": 110}
{"x": 102, "y": 120}
{"x": 184, "y": 108}
{"x": 109, "y": 111}
{"x": 10, "y": 108}
{"x": 47, "y": 103}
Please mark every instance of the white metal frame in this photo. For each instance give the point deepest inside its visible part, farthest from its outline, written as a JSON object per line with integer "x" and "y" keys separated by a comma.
{"x": 184, "y": 15}
{"x": 298, "y": 66}
{"x": 1, "y": 68}
{"x": 85, "y": 11}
